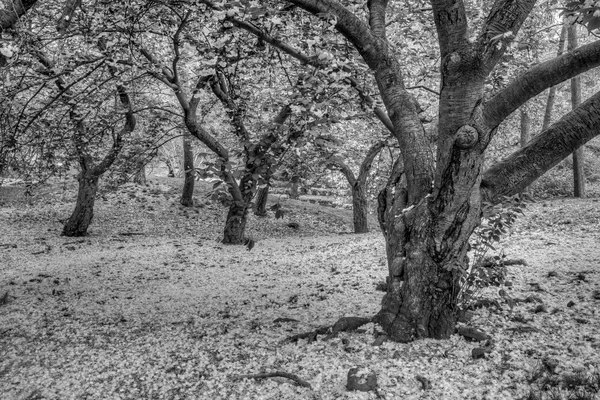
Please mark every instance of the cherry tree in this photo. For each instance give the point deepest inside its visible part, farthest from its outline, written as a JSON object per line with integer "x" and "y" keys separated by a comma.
{"x": 432, "y": 210}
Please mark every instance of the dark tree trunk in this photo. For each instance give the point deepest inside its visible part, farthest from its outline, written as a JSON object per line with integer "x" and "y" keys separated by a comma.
{"x": 294, "y": 188}
{"x": 260, "y": 206}
{"x": 81, "y": 218}
{"x": 187, "y": 195}
{"x": 578, "y": 172}
{"x": 140, "y": 176}
{"x": 171, "y": 173}
{"x": 359, "y": 208}
{"x": 235, "y": 225}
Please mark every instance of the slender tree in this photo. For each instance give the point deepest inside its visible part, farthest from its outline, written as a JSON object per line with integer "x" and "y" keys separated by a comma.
{"x": 578, "y": 173}
{"x": 552, "y": 92}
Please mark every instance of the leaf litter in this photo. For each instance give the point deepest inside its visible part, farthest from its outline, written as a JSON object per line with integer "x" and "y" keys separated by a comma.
{"x": 150, "y": 305}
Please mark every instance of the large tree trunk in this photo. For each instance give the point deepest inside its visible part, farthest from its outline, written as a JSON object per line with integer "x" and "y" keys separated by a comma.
{"x": 187, "y": 195}
{"x": 235, "y": 224}
{"x": 140, "y": 176}
{"x": 294, "y": 194}
{"x": 578, "y": 173}
{"x": 359, "y": 208}
{"x": 427, "y": 234}
{"x": 81, "y": 218}
{"x": 260, "y": 205}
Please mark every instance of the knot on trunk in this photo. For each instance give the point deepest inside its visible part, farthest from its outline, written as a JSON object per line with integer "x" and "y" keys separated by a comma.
{"x": 466, "y": 137}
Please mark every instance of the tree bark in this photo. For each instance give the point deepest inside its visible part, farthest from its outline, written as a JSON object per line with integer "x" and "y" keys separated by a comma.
{"x": 81, "y": 218}
{"x": 578, "y": 173}
{"x": 359, "y": 208}
{"x": 294, "y": 194}
{"x": 260, "y": 206}
{"x": 140, "y": 176}
{"x": 187, "y": 194}
{"x": 237, "y": 216}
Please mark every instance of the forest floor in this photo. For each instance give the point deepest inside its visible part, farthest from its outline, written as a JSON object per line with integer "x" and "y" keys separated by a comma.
{"x": 151, "y": 306}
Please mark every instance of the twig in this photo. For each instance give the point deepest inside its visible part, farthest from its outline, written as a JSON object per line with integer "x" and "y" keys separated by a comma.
{"x": 75, "y": 242}
{"x": 424, "y": 88}
{"x": 9, "y": 245}
{"x": 131, "y": 233}
{"x": 275, "y": 374}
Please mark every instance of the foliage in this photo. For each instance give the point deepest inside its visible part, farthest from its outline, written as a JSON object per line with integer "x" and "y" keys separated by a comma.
{"x": 485, "y": 270}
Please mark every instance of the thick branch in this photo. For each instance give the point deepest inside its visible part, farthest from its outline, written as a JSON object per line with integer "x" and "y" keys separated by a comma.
{"x": 236, "y": 113}
{"x": 129, "y": 126}
{"x": 500, "y": 27}
{"x": 344, "y": 169}
{"x": 539, "y": 78}
{"x": 451, "y": 24}
{"x": 377, "y": 17}
{"x": 543, "y": 152}
{"x": 365, "y": 166}
{"x": 315, "y": 62}
{"x": 348, "y": 24}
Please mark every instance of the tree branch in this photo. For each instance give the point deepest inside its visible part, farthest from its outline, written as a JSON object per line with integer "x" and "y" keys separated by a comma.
{"x": 377, "y": 17}
{"x": 501, "y": 26}
{"x": 365, "y": 166}
{"x": 315, "y": 62}
{"x": 543, "y": 152}
{"x": 451, "y": 24}
{"x": 349, "y": 25}
{"x": 539, "y": 78}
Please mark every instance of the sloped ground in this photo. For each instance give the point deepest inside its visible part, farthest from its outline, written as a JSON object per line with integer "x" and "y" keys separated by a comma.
{"x": 151, "y": 306}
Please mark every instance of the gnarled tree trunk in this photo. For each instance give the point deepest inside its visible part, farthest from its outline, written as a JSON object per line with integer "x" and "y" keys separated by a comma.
{"x": 295, "y": 184}
{"x": 187, "y": 194}
{"x": 260, "y": 204}
{"x": 81, "y": 218}
{"x": 360, "y": 208}
{"x": 237, "y": 216}
{"x": 140, "y": 176}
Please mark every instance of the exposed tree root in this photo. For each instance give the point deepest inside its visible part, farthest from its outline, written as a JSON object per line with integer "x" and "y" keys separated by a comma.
{"x": 276, "y": 374}
{"x": 344, "y": 324}
{"x": 515, "y": 261}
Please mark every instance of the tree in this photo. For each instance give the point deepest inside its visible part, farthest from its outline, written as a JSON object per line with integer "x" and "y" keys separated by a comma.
{"x": 358, "y": 185}
{"x": 90, "y": 172}
{"x": 578, "y": 173}
{"x": 437, "y": 204}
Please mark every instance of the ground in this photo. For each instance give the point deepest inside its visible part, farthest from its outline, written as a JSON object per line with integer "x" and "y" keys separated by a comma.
{"x": 151, "y": 306}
